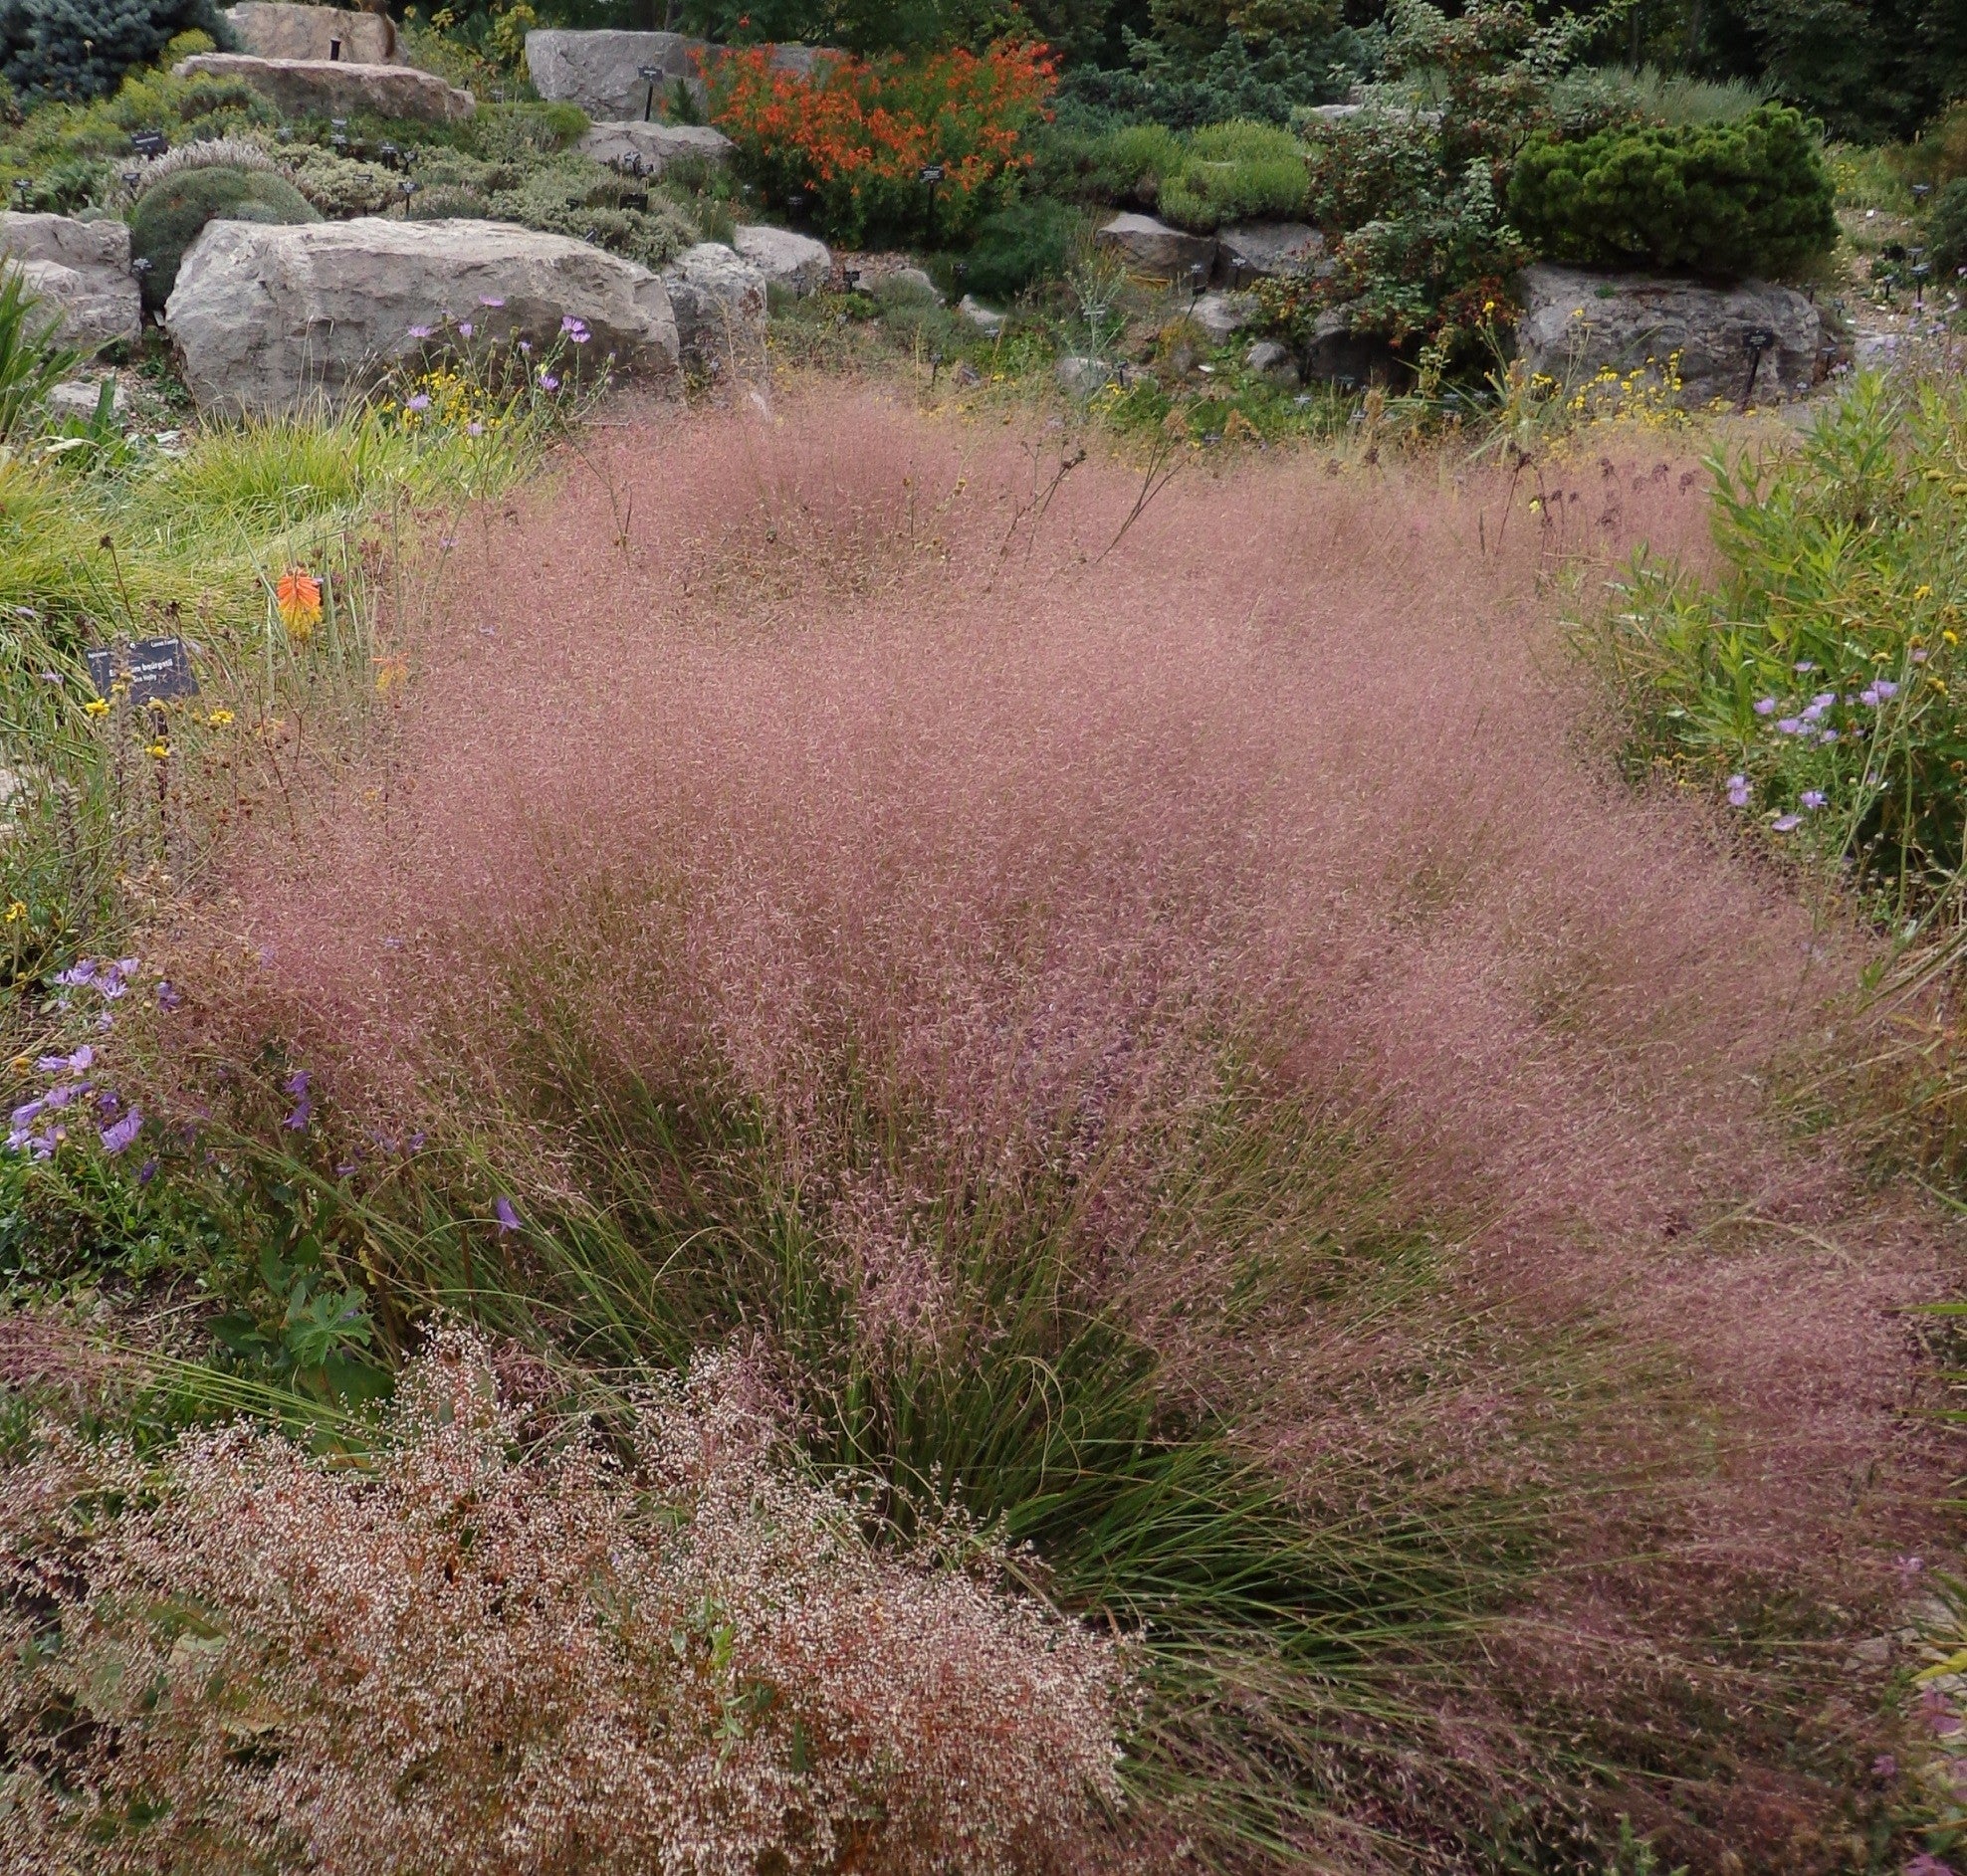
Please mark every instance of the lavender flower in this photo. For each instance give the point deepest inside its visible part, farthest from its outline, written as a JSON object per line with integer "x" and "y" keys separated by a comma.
{"x": 116, "y": 1137}
{"x": 1765, "y": 706}
{"x": 547, "y": 382}
{"x": 79, "y": 973}
{"x": 575, "y": 330}
{"x": 502, "y": 1210}
{"x": 297, "y": 1121}
{"x": 490, "y": 300}
{"x": 421, "y": 401}
{"x": 1824, "y": 700}
{"x": 1783, "y": 823}
{"x": 464, "y": 329}
{"x": 1739, "y": 791}
{"x": 1812, "y": 797}
{"x": 1802, "y": 664}
{"x": 168, "y": 996}
{"x": 1790, "y": 726}
{"x": 146, "y": 1173}
{"x": 421, "y": 331}
{"x": 1885, "y": 687}
{"x": 299, "y": 1081}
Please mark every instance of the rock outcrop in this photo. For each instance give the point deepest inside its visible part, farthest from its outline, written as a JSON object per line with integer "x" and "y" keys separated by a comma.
{"x": 274, "y": 319}
{"x": 1153, "y": 247}
{"x": 798, "y": 262}
{"x": 602, "y": 72}
{"x": 333, "y": 88}
{"x": 1263, "y": 250}
{"x": 1703, "y": 338}
{"x": 718, "y": 298}
{"x": 81, "y": 270}
{"x": 649, "y": 148}
{"x": 270, "y": 29}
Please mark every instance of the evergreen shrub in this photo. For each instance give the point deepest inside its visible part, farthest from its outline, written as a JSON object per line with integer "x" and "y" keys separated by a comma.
{"x": 1723, "y": 199}
{"x": 1947, "y": 233}
{"x": 170, "y": 217}
{"x": 82, "y": 49}
{"x": 1030, "y": 240}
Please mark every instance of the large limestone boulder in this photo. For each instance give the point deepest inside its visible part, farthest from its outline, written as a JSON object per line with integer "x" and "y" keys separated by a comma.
{"x": 81, "y": 270}
{"x": 272, "y": 319}
{"x": 1263, "y": 250}
{"x": 649, "y": 148}
{"x": 1576, "y": 323}
{"x": 718, "y": 298}
{"x": 333, "y": 88}
{"x": 1151, "y": 247}
{"x": 270, "y": 29}
{"x": 798, "y": 262}
{"x": 602, "y": 72}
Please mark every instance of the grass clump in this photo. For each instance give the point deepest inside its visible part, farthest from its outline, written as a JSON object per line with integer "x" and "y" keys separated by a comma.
{"x": 1233, "y": 172}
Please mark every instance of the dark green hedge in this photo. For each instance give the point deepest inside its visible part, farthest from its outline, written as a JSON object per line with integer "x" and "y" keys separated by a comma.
{"x": 1724, "y": 199}
{"x": 82, "y": 49}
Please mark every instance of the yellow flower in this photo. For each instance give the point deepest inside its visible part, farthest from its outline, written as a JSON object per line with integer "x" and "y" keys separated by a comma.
{"x": 15, "y": 911}
{"x": 390, "y": 668}
{"x": 1922, "y": 592}
{"x": 161, "y": 750}
{"x": 219, "y": 718}
{"x": 1952, "y": 638}
{"x": 95, "y": 706}
{"x": 22, "y": 1063}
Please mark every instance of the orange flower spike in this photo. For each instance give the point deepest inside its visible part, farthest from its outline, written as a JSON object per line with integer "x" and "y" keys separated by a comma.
{"x": 298, "y": 595}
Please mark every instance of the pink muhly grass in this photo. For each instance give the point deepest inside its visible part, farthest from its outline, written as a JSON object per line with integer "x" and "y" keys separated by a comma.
{"x": 1288, "y": 804}
{"x": 520, "y": 1654}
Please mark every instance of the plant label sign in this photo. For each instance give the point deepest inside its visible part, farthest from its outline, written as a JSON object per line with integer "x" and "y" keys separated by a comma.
{"x": 155, "y": 667}
{"x": 149, "y": 143}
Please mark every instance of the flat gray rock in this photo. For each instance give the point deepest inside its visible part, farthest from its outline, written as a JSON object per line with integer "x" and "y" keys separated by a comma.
{"x": 1082, "y": 378}
{"x": 987, "y": 322}
{"x": 270, "y": 29}
{"x": 1223, "y": 316}
{"x": 650, "y": 148}
{"x": 1576, "y": 323}
{"x": 334, "y": 88}
{"x": 80, "y": 397}
{"x": 795, "y": 261}
{"x": 270, "y": 319}
{"x": 1153, "y": 247}
{"x": 1273, "y": 363}
{"x": 80, "y": 271}
{"x": 1263, "y": 250}
{"x": 718, "y": 298}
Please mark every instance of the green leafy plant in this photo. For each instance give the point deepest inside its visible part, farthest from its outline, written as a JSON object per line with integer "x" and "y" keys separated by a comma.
{"x": 1946, "y": 231}
{"x": 1233, "y": 172}
{"x": 1750, "y": 196}
{"x": 1812, "y": 688}
{"x": 1030, "y": 240}
{"x": 32, "y": 359}
{"x": 169, "y": 217}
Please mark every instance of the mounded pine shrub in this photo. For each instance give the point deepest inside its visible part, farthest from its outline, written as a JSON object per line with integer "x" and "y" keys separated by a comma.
{"x": 171, "y": 216}
{"x": 1722, "y": 199}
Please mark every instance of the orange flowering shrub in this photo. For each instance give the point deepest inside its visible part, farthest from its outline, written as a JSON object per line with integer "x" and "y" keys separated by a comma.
{"x": 855, "y": 136}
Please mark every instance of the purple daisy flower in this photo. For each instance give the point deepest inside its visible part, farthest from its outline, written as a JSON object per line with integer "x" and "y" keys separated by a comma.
{"x": 464, "y": 329}
{"x": 1765, "y": 706}
{"x": 490, "y": 300}
{"x": 1812, "y": 797}
{"x": 421, "y": 331}
{"x": 1886, "y": 688}
{"x": 507, "y": 1217}
{"x": 547, "y": 382}
{"x": 116, "y": 1137}
{"x": 421, "y": 401}
{"x": 1783, "y": 822}
{"x": 1790, "y": 726}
